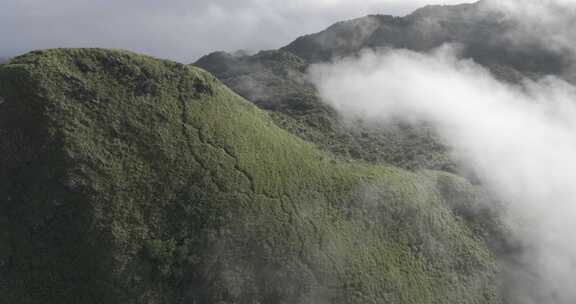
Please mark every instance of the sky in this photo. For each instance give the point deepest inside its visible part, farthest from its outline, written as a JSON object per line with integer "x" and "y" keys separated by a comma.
{"x": 181, "y": 30}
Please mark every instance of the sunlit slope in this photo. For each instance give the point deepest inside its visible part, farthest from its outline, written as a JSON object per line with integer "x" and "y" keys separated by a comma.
{"x": 126, "y": 179}
{"x": 278, "y": 82}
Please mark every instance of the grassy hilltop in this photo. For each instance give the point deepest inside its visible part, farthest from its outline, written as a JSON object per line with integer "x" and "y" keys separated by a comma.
{"x": 127, "y": 179}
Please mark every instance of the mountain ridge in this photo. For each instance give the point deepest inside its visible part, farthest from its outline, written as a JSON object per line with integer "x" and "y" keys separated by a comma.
{"x": 129, "y": 179}
{"x": 277, "y": 80}
{"x": 136, "y": 180}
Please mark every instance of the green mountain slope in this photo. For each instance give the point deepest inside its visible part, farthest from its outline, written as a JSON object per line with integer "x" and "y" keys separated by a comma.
{"x": 126, "y": 179}
{"x": 483, "y": 33}
{"x": 276, "y": 81}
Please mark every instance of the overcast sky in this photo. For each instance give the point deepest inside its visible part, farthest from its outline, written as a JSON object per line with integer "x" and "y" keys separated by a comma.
{"x": 178, "y": 29}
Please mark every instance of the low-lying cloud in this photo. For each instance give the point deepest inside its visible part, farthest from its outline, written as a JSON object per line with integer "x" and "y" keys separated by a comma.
{"x": 519, "y": 138}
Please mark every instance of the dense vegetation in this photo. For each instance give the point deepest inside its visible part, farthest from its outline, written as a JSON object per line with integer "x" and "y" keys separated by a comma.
{"x": 126, "y": 179}
{"x": 481, "y": 31}
{"x": 276, "y": 80}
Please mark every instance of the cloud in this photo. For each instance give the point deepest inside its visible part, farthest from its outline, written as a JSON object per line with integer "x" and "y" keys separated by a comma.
{"x": 520, "y": 139}
{"x": 177, "y": 29}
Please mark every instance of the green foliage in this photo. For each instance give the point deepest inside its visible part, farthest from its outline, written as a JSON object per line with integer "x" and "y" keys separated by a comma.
{"x": 170, "y": 258}
{"x": 480, "y": 32}
{"x": 128, "y": 179}
{"x": 276, "y": 81}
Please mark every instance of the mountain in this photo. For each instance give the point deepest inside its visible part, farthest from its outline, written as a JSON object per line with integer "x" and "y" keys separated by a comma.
{"x": 127, "y": 179}
{"x": 276, "y": 80}
{"x": 482, "y": 31}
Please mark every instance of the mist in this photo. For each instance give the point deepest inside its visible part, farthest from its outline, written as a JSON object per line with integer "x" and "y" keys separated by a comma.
{"x": 519, "y": 138}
